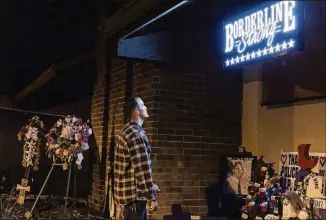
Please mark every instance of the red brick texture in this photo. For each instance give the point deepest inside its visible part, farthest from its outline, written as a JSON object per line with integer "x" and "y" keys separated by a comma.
{"x": 190, "y": 124}
{"x": 193, "y": 119}
{"x": 99, "y": 120}
{"x": 99, "y": 129}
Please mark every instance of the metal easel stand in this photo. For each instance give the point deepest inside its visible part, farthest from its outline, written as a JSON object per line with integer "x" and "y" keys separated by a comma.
{"x": 67, "y": 189}
{"x": 28, "y": 214}
{"x": 75, "y": 188}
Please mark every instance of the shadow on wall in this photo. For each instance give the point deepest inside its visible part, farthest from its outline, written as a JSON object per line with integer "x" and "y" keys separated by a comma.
{"x": 177, "y": 213}
{"x": 213, "y": 196}
{"x": 110, "y": 161}
{"x": 107, "y": 157}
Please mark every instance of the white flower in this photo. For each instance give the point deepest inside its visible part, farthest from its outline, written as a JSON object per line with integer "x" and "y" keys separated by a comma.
{"x": 59, "y": 123}
{"x": 77, "y": 136}
{"x": 28, "y": 134}
{"x": 74, "y": 119}
{"x": 34, "y": 137}
{"x": 68, "y": 119}
{"x": 90, "y": 131}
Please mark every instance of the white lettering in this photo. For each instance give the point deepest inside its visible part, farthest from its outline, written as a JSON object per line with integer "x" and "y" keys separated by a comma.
{"x": 242, "y": 45}
{"x": 261, "y": 25}
{"x": 272, "y": 13}
{"x": 266, "y": 16}
{"x": 260, "y": 22}
{"x": 247, "y": 21}
{"x": 235, "y": 30}
{"x": 279, "y": 14}
{"x": 256, "y": 36}
{"x": 289, "y": 18}
{"x": 229, "y": 39}
{"x": 253, "y": 21}
{"x": 241, "y": 31}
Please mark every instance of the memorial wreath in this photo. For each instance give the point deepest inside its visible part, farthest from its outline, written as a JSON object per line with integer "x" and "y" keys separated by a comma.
{"x": 67, "y": 139}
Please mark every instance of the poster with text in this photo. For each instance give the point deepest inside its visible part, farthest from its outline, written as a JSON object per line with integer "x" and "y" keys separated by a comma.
{"x": 288, "y": 166}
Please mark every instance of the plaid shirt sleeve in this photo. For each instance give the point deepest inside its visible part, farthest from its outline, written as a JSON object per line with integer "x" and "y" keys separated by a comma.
{"x": 142, "y": 165}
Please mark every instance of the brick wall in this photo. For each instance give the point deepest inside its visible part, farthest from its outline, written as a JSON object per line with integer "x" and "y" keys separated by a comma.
{"x": 116, "y": 115}
{"x": 99, "y": 120}
{"x": 107, "y": 119}
{"x": 193, "y": 120}
{"x": 96, "y": 197}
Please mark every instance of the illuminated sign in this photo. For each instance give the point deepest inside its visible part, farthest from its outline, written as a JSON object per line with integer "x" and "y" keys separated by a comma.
{"x": 271, "y": 30}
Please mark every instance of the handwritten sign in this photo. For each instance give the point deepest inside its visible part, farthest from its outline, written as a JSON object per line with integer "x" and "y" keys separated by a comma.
{"x": 317, "y": 203}
{"x": 288, "y": 166}
{"x": 320, "y": 203}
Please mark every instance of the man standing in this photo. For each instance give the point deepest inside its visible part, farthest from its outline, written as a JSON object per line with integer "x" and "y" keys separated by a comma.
{"x": 133, "y": 184}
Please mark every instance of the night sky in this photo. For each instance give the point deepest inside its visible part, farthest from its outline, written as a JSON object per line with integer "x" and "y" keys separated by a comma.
{"x": 38, "y": 33}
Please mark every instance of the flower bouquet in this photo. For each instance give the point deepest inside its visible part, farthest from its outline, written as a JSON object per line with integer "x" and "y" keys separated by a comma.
{"x": 67, "y": 139}
{"x": 32, "y": 135}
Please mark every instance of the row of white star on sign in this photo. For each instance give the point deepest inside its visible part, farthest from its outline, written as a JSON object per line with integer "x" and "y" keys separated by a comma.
{"x": 270, "y": 50}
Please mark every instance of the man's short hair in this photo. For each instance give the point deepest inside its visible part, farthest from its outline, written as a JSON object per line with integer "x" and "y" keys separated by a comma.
{"x": 130, "y": 105}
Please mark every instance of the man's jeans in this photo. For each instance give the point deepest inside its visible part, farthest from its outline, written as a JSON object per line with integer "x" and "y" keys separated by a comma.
{"x": 135, "y": 211}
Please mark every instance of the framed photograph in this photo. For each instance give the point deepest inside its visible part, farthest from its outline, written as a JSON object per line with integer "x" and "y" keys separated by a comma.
{"x": 237, "y": 174}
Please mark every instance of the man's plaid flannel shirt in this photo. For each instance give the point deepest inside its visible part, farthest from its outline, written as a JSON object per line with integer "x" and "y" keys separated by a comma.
{"x": 132, "y": 166}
